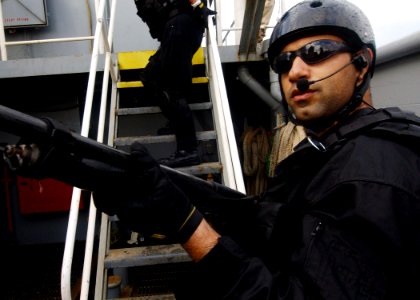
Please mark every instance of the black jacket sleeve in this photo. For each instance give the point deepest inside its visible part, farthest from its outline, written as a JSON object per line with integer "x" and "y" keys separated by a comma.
{"x": 228, "y": 272}
{"x": 232, "y": 274}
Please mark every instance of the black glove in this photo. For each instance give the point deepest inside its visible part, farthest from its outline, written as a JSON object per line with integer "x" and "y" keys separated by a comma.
{"x": 203, "y": 13}
{"x": 148, "y": 202}
{"x": 56, "y": 154}
{"x": 40, "y": 158}
{"x": 152, "y": 13}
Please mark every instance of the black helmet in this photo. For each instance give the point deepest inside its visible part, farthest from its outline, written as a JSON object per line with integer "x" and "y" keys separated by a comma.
{"x": 313, "y": 17}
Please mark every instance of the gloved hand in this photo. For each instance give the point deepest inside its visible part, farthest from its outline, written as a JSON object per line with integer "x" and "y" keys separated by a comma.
{"x": 148, "y": 202}
{"x": 203, "y": 12}
{"x": 41, "y": 158}
{"x": 57, "y": 154}
{"x": 21, "y": 156}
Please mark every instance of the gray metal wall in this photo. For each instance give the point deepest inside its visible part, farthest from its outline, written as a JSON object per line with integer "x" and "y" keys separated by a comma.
{"x": 397, "y": 83}
{"x": 77, "y": 19}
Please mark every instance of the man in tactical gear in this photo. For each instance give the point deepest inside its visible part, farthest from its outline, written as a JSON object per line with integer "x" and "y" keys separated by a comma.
{"x": 179, "y": 26}
{"x": 342, "y": 218}
{"x": 343, "y": 215}
{"x": 347, "y": 222}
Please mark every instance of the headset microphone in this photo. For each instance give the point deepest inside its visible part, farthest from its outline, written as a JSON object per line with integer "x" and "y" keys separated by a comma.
{"x": 303, "y": 84}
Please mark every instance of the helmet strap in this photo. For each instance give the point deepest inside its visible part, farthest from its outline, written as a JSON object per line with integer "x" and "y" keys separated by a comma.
{"x": 355, "y": 100}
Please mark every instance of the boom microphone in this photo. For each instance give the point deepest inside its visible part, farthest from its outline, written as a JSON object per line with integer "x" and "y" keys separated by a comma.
{"x": 303, "y": 84}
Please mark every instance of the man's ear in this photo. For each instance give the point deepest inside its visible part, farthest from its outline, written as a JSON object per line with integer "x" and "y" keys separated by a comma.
{"x": 363, "y": 58}
{"x": 360, "y": 61}
{"x": 363, "y": 61}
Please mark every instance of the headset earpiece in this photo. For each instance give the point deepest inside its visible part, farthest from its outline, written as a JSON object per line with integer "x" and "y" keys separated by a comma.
{"x": 360, "y": 62}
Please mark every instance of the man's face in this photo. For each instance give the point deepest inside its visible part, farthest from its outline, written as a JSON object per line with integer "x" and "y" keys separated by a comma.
{"x": 323, "y": 98}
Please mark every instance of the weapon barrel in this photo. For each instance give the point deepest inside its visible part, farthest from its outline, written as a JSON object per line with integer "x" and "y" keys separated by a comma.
{"x": 18, "y": 123}
{"x": 24, "y": 125}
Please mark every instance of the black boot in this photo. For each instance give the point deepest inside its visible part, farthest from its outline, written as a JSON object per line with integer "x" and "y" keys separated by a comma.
{"x": 181, "y": 158}
{"x": 166, "y": 130}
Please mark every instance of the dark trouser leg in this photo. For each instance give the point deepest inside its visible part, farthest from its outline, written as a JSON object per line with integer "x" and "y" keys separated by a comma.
{"x": 181, "y": 121}
{"x": 170, "y": 73}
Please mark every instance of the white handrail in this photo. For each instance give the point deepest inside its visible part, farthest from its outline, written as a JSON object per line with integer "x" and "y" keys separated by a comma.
{"x": 2, "y": 37}
{"x": 232, "y": 171}
{"x": 74, "y": 209}
{"x": 44, "y": 41}
{"x": 217, "y": 5}
{"x": 90, "y": 236}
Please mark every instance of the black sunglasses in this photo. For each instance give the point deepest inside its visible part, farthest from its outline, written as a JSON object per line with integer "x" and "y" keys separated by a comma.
{"x": 311, "y": 53}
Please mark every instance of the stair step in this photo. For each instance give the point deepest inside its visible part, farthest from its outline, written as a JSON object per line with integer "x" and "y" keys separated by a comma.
{"x": 138, "y": 84}
{"x": 154, "y": 297}
{"x": 145, "y": 256}
{"x": 154, "y": 139}
{"x": 139, "y": 59}
{"x": 202, "y": 169}
{"x": 156, "y": 109}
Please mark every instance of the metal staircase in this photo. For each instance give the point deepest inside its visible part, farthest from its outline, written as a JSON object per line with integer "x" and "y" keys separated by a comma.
{"x": 137, "y": 121}
{"x": 134, "y": 118}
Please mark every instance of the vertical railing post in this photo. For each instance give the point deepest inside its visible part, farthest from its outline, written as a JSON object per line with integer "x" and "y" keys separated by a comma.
{"x": 3, "y": 49}
{"x": 232, "y": 170}
{"x": 75, "y": 202}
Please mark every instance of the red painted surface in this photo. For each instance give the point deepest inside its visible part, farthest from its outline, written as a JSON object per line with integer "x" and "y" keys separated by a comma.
{"x": 42, "y": 196}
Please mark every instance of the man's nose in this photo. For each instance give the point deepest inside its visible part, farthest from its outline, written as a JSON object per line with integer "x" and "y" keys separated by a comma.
{"x": 298, "y": 70}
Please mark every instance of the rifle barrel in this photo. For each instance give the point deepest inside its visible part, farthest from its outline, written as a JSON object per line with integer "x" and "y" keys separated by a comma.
{"x": 24, "y": 125}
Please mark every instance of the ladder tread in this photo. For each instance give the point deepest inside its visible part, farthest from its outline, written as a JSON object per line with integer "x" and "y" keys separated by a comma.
{"x": 151, "y": 297}
{"x": 139, "y": 59}
{"x": 139, "y": 84}
{"x": 202, "y": 169}
{"x": 156, "y": 109}
{"x": 153, "y": 139}
{"x": 145, "y": 256}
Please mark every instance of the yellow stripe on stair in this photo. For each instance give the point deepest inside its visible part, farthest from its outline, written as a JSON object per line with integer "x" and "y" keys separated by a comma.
{"x": 135, "y": 84}
{"x": 139, "y": 59}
